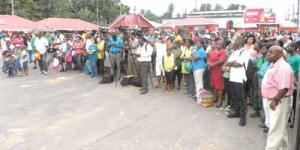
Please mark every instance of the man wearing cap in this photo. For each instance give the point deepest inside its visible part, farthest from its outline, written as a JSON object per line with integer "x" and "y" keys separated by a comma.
{"x": 41, "y": 44}
{"x": 277, "y": 87}
{"x": 144, "y": 53}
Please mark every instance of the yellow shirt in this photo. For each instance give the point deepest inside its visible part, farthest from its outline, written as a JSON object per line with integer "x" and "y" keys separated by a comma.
{"x": 169, "y": 62}
{"x": 100, "y": 50}
{"x": 178, "y": 38}
{"x": 186, "y": 53}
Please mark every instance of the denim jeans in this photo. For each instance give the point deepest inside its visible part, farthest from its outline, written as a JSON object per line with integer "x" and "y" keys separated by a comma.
{"x": 43, "y": 62}
{"x": 79, "y": 61}
{"x": 94, "y": 69}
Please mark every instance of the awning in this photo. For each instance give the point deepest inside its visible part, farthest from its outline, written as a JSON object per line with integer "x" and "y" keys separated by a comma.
{"x": 68, "y": 24}
{"x": 16, "y": 23}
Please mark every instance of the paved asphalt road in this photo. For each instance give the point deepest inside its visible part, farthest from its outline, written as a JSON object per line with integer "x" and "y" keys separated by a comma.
{"x": 73, "y": 112}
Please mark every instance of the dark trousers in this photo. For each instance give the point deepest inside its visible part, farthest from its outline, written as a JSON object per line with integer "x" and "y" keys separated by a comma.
{"x": 43, "y": 62}
{"x": 100, "y": 66}
{"x": 238, "y": 103}
{"x": 144, "y": 68}
{"x": 178, "y": 74}
{"x": 228, "y": 91}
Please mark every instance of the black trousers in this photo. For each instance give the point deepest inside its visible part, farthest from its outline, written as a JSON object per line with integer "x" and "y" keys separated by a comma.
{"x": 238, "y": 103}
{"x": 177, "y": 74}
{"x": 228, "y": 91}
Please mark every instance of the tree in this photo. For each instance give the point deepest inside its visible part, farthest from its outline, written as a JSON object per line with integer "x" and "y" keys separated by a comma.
{"x": 171, "y": 9}
{"x": 205, "y": 7}
{"x": 243, "y": 7}
{"x": 151, "y": 16}
{"x": 218, "y": 7}
{"x": 83, "y": 9}
{"x": 233, "y": 7}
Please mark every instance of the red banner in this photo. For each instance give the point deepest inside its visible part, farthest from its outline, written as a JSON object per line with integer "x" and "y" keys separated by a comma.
{"x": 259, "y": 16}
{"x": 253, "y": 15}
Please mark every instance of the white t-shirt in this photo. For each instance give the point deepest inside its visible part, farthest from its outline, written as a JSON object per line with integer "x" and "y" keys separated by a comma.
{"x": 41, "y": 44}
{"x": 161, "y": 51}
{"x": 3, "y": 45}
{"x": 242, "y": 57}
{"x": 24, "y": 53}
{"x": 145, "y": 53}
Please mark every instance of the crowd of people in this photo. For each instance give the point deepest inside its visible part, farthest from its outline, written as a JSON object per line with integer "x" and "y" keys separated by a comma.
{"x": 241, "y": 69}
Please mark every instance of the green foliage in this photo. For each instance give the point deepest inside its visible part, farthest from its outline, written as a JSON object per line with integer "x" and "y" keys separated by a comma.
{"x": 233, "y": 7}
{"x": 150, "y": 16}
{"x": 83, "y": 9}
{"x": 218, "y": 7}
{"x": 169, "y": 13}
{"x": 205, "y": 7}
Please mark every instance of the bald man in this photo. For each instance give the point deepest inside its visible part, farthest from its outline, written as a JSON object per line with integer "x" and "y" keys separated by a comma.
{"x": 277, "y": 87}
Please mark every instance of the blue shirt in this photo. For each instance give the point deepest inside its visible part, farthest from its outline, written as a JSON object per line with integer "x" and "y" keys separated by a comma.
{"x": 151, "y": 38}
{"x": 93, "y": 57}
{"x": 114, "y": 49}
{"x": 200, "y": 63}
{"x": 264, "y": 69}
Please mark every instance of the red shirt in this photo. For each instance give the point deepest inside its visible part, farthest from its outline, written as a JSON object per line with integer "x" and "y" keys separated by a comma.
{"x": 216, "y": 55}
{"x": 78, "y": 48}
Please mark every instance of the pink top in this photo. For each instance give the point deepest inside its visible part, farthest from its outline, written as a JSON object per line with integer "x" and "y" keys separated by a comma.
{"x": 279, "y": 76}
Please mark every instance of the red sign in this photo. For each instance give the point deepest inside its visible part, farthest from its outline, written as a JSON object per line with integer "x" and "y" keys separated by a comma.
{"x": 258, "y": 16}
{"x": 270, "y": 20}
{"x": 253, "y": 15}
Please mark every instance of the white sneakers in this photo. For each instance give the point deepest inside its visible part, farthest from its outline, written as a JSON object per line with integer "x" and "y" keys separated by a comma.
{"x": 43, "y": 72}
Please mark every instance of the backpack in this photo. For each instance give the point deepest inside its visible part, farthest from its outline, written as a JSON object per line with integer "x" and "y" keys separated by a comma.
{"x": 250, "y": 68}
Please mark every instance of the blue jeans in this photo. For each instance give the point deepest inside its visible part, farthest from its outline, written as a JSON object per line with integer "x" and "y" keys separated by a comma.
{"x": 79, "y": 61}
{"x": 94, "y": 69}
{"x": 190, "y": 81}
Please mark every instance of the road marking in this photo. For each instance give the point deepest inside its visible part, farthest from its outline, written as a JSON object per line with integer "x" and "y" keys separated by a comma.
{"x": 25, "y": 86}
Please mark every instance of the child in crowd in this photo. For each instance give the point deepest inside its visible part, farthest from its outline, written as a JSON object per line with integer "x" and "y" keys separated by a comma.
{"x": 10, "y": 64}
{"x": 24, "y": 61}
{"x": 56, "y": 63}
{"x": 169, "y": 67}
{"x": 68, "y": 58}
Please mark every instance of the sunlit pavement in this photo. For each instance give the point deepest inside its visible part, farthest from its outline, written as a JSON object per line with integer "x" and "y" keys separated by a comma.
{"x": 73, "y": 112}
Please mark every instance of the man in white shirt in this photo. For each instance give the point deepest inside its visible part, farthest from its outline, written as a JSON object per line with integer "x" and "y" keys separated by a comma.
{"x": 41, "y": 44}
{"x": 144, "y": 53}
{"x": 161, "y": 51}
{"x": 238, "y": 62}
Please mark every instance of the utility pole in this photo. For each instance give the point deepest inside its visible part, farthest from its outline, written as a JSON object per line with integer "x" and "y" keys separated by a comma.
{"x": 120, "y": 7}
{"x": 293, "y": 12}
{"x": 298, "y": 14}
{"x": 12, "y": 7}
{"x": 134, "y": 9}
{"x": 97, "y": 20}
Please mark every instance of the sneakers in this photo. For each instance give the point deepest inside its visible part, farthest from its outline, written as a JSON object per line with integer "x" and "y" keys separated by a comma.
{"x": 45, "y": 72}
{"x": 225, "y": 108}
{"x": 40, "y": 72}
{"x": 233, "y": 115}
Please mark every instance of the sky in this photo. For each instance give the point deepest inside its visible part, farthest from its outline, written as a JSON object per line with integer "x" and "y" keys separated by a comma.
{"x": 158, "y": 7}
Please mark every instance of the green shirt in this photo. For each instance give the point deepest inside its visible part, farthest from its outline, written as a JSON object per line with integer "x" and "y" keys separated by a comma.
{"x": 260, "y": 61}
{"x": 294, "y": 61}
{"x": 227, "y": 74}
